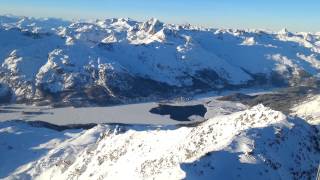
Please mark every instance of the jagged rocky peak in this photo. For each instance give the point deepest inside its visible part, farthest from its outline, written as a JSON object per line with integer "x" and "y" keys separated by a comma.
{"x": 14, "y": 53}
{"x": 307, "y": 36}
{"x": 110, "y": 39}
{"x": 105, "y": 23}
{"x": 11, "y": 62}
{"x": 284, "y": 32}
{"x": 152, "y": 26}
{"x": 121, "y": 24}
{"x": 58, "y": 56}
{"x": 50, "y": 75}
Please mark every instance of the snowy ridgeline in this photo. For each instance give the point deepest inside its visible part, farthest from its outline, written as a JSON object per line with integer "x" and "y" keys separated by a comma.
{"x": 109, "y": 61}
{"x": 106, "y": 61}
{"x": 257, "y": 143}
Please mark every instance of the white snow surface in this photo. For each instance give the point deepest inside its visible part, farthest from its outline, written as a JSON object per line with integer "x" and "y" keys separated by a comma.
{"x": 309, "y": 110}
{"x": 125, "y": 114}
{"x": 234, "y": 143}
{"x": 258, "y": 143}
{"x": 36, "y": 51}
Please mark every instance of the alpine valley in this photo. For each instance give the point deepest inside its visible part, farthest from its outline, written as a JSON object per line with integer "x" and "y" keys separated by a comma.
{"x": 122, "y": 99}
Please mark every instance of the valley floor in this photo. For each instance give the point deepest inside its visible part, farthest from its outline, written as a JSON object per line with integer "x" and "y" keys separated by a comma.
{"x": 138, "y": 113}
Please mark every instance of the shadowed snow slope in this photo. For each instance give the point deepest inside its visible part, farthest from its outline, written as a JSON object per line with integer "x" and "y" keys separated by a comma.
{"x": 258, "y": 143}
{"x": 108, "y": 61}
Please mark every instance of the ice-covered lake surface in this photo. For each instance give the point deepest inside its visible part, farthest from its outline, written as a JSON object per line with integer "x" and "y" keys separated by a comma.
{"x": 125, "y": 114}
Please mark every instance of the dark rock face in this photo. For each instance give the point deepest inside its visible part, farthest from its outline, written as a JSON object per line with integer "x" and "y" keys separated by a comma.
{"x": 116, "y": 90}
{"x": 43, "y": 124}
{"x": 208, "y": 79}
{"x": 5, "y": 94}
{"x": 237, "y": 97}
{"x": 282, "y": 100}
{"x": 121, "y": 88}
{"x": 128, "y": 86}
{"x": 86, "y": 96}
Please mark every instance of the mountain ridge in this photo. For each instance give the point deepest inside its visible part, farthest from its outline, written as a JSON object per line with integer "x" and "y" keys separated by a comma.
{"x": 257, "y": 143}
{"x": 52, "y": 60}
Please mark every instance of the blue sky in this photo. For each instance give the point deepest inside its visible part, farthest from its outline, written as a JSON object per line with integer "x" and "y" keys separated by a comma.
{"x": 296, "y": 15}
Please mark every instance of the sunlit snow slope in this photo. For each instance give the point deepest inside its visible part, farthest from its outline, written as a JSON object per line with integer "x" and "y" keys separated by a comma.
{"x": 113, "y": 60}
{"x": 257, "y": 143}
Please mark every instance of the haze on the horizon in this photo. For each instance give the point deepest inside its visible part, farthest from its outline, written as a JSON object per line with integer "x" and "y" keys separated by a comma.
{"x": 296, "y": 15}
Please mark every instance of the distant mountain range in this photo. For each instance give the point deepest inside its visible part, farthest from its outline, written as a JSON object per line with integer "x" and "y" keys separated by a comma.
{"x": 116, "y": 60}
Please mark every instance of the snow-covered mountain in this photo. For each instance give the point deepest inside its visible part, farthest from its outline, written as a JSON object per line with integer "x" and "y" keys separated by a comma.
{"x": 109, "y": 61}
{"x": 258, "y": 143}
{"x": 54, "y": 62}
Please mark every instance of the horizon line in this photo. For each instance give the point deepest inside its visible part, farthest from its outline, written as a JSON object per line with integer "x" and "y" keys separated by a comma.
{"x": 141, "y": 21}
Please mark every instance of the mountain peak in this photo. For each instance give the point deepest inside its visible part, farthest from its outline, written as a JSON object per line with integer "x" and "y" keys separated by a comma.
{"x": 284, "y": 31}
{"x": 152, "y": 26}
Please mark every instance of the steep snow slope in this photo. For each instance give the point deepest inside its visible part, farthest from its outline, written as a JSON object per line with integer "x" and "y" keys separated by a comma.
{"x": 258, "y": 143}
{"x": 109, "y": 61}
{"x": 309, "y": 110}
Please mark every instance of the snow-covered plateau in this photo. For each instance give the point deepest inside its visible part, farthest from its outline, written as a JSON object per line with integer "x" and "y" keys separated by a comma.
{"x": 121, "y": 99}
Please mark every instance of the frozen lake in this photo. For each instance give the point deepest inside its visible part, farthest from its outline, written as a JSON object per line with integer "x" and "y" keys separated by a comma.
{"x": 124, "y": 114}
